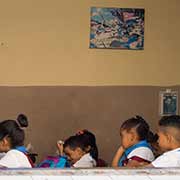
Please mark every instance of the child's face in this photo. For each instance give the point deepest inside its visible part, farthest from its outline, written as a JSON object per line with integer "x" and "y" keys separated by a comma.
{"x": 4, "y": 145}
{"x": 163, "y": 140}
{"x": 127, "y": 138}
{"x": 73, "y": 155}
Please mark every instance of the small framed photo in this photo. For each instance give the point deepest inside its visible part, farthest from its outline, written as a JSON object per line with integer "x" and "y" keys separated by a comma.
{"x": 168, "y": 103}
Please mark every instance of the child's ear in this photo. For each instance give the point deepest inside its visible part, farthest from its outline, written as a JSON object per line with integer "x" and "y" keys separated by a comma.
{"x": 5, "y": 141}
{"x": 79, "y": 150}
{"x": 169, "y": 138}
{"x": 88, "y": 148}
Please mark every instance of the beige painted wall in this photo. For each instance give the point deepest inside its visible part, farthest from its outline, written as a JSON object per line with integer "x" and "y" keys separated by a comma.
{"x": 45, "y": 42}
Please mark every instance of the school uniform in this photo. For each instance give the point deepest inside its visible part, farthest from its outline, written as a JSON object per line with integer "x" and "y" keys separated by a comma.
{"x": 2, "y": 155}
{"x": 168, "y": 159}
{"x": 86, "y": 161}
{"x": 141, "y": 152}
{"x": 15, "y": 159}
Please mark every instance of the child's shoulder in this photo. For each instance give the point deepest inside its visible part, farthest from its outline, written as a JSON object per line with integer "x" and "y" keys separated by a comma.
{"x": 142, "y": 152}
{"x": 14, "y": 159}
{"x": 85, "y": 161}
{"x": 172, "y": 153}
{"x": 14, "y": 152}
{"x": 168, "y": 159}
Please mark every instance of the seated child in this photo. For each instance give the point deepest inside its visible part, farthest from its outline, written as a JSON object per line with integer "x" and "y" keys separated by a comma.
{"x": 90, "y": 140}
{"x": 169, "y": 142}
{"x": 11, "y": 142}
{"x": 60, "y": 161}
{"x": 135, "y": 150}
{"x": 78, "y": 152}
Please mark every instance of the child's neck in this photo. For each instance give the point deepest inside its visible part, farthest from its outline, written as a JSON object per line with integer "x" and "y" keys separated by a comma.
{"x": 137, "y": 141}
{"x": 175, "y": 146}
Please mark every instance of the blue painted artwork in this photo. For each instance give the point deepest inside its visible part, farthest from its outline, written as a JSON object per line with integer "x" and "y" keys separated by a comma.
{"x": 117, "y": 28}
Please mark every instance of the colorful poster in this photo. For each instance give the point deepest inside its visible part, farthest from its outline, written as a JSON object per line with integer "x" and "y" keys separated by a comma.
{"x": 117, "y": 28}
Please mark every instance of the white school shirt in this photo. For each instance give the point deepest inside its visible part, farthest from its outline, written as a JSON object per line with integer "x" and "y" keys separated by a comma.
{"x": 15, "y": 159}
{"x": 2, "y": 155}
{"x": 143, "y": 153}
{"x": 86, "y": 161}
{"x": 168, "y": 159}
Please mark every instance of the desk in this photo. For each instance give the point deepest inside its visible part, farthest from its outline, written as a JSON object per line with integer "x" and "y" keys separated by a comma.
{"x": 90, "y": 174}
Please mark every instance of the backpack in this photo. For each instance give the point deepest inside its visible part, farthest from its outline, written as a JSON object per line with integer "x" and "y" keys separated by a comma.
{"x": 54, "y": 162}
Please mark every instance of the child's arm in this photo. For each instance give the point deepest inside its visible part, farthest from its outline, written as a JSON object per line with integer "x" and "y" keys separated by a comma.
{"x": 149, "y": 165}
{"x": 60, "y": 147}
{"x": 139, "y": 157}
{"x": 117, "y": 156}
{"x": 134, "y": 163}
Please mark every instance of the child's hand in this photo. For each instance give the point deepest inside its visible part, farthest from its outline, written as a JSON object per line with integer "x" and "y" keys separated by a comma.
{"x": 121, "y": 149}
{"x": 60, "y": 147}
{"x": 29, "y": 147}
{"x": 117, "y": 156}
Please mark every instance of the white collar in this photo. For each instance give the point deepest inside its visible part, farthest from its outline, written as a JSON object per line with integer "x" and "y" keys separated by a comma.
{"x": 174, "y": 150}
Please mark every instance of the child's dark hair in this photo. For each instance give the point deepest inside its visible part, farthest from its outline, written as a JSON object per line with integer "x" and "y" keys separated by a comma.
{"x": 152, "y": 138}
{"x": 12, "y": 130}
{"x": 22, "y": 120}
{"x": 170, "y": 121}
{"x": 141, "y": 126}
{"x": 90, "y": 140}
{"x": 74, "y": 142}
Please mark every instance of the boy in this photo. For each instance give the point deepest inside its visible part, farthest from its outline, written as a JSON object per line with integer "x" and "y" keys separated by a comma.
{"x": 169, "y": 142}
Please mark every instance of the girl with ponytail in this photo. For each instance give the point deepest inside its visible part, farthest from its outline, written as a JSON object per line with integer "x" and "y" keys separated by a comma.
{"x": 135, "y": 149}
{"x": 90, "y": 140}
{"x": 12, "y": 143}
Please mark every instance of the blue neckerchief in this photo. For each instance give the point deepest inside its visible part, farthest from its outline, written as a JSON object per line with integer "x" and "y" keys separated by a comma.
{"x": 21, "y": 149}
{"x": 143, "y": 143}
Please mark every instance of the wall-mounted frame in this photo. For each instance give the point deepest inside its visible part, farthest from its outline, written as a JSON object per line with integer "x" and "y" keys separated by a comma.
{"x": 117, "y": 28}
{"x": 168, "y": 103}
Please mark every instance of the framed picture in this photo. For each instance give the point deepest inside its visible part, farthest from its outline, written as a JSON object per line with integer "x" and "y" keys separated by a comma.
{"x": 168, "y": 103}
{"x": 117, "y": 28}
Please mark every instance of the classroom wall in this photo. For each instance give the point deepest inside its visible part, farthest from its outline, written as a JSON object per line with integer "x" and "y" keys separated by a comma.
{"x": 45, "y": 56}
{"x": 45, "y": 42}
{"x": 57, "y": 112}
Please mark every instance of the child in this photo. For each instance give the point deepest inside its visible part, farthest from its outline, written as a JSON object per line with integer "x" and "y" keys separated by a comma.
{"x": 169, "y": 142}
{"x": 59, "y": 161}
{"x": 135, "y": 150}
{"x": 90, "y": 140}
{"x": 11, "y": 142}
{"x": 78, "y": 152}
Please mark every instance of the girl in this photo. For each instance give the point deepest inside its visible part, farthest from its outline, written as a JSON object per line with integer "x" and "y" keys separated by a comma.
{"x": 88, "y": 143}
{"x": 90, "y": 140}
{"x": 78, "y": 152}
{"x": 135, "y": 150}
{"x": 11, "y": 142}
